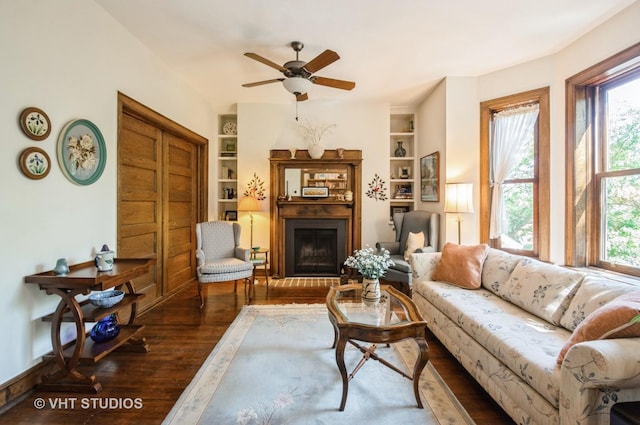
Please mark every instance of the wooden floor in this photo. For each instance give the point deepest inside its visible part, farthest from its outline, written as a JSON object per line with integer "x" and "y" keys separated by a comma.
{"x": 180, "y": 337}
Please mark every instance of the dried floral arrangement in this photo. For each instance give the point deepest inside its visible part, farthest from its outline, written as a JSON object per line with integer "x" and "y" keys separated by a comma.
{"x": 82, "y": 152}
{"x": 315, "y": 133}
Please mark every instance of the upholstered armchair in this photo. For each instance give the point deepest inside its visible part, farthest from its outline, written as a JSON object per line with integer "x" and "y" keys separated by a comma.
{"x": 424, "y": 225}
{"x": 219, "y": 257}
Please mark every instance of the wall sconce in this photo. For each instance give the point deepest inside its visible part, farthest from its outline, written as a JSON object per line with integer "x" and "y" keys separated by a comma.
{"x": 458, "y": 200}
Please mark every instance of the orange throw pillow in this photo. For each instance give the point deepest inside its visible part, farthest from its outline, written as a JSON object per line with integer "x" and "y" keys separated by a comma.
{"x": 612, "y": 320}
{"x": 461, "y": 265}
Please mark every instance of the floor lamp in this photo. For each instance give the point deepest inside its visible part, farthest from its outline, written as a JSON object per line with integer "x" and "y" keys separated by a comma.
{"x": 458, "y": 200}
{"x": 250, "y": 204}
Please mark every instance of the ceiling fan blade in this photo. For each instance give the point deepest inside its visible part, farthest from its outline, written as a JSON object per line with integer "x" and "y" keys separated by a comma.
{"x": 265, "y": 61}
{"x": 323, "y": 59}
{"x": 302, "y": 97}
{"x": 259, "y": 83}
{"x": 330, "y": 82}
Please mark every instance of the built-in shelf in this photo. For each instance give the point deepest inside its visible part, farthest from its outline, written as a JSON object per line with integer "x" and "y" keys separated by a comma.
{"x": 227, "y": 183}
{"x": 402, "y": 169}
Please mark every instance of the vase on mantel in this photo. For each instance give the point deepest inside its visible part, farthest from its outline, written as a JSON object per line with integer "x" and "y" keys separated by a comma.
{"x": 315, "y": 151}
{"x": 370, "y": 289}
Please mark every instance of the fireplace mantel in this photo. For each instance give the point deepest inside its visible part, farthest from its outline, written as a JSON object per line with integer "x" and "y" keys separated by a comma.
{"x": 282, "y": 209}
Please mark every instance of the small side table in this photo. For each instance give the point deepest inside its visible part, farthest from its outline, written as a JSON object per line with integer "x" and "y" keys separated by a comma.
{"x": 260, "y": 257}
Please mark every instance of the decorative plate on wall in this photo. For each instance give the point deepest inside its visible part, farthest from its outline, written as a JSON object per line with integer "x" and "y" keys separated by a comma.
{"x": 35, "y": 124}
{"x": 82, "y": 153}
{"x": 35, "y": 163}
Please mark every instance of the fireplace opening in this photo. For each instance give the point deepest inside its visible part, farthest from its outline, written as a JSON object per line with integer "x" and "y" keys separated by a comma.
{"x": 315, "y": 251}
{"x": 314, "y": 247}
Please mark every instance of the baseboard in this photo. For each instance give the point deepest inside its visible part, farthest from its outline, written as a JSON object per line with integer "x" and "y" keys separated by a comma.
{"x": 16, "y": 389}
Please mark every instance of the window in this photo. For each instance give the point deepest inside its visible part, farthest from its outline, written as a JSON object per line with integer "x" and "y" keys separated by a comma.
{"x": 603, "y": 185}
{"x": 514, "y": 188}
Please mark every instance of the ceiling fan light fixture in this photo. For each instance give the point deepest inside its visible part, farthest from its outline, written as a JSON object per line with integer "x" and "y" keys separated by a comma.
{"x": 297, "y": 85}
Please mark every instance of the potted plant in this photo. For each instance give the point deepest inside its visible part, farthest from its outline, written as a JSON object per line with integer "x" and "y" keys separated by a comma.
{"x": 372, "y": 265}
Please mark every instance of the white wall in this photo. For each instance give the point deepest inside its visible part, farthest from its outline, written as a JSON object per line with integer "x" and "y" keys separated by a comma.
{"x": 262, "y": 127}
{"x": 68, "y": 58}
{"x": 432, "y": 137}
{"x": 463, "y": 151}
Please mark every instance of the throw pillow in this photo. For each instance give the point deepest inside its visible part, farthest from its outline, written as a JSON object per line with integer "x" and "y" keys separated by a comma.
{"x": 612, "y": 320}
{"x": 415, "y": 241}
{"x": 542, "y": 289}
{"x": 497, "y": 268}
{"x": 461, "y": 265}
{"x": 594, "y": 292}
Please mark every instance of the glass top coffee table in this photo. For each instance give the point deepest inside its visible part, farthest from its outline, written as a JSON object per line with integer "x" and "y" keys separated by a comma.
{"x": 394, "y": 318}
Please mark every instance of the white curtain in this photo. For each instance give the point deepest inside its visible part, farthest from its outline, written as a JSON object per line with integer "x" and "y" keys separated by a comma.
{"x": 509, "y": 131}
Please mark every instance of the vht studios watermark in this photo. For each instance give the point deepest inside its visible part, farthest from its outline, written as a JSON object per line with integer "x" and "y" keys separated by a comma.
{"x": 86, "y": 403}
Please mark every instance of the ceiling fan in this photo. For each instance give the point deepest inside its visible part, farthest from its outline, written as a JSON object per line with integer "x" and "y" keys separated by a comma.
{"x": 299, "y": 74}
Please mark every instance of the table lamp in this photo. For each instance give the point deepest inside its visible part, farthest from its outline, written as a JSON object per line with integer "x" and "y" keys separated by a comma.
{"x": 459, "y": 200}
{"x": 250, "y": 204}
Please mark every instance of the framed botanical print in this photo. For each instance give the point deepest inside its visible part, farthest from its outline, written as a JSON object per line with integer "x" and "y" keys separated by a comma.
{"x": 82, "y": 153}
{"x": 430, "y": 177}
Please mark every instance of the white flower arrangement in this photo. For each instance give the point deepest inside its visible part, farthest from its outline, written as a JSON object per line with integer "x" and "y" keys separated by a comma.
{"x": 369, "y": 262}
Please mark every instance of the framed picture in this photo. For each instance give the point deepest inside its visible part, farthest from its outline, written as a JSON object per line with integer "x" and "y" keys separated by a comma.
{"x": 430, "y": 177}
{"x": 405, "y": 172}
{"x": 231, "y": 215}
{"x": 35, "y": 124}
{"x": 315, "y": 192}
{"x": 82, "y": 153}
{"x": 35, "y": 163}
{"x": 399, "y": 209}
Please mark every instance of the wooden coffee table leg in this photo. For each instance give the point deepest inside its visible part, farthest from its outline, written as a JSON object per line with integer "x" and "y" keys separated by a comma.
{"x": 340, "y": 347}
{"x": 421, "y": 362}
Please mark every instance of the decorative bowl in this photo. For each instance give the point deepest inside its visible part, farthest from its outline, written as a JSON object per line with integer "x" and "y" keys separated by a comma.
{"x": 255, "y": 248}
{"x": 106, "y": 299}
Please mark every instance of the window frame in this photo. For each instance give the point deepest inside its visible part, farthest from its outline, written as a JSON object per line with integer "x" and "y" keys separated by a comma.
{"x": 541, "y": 195}
{"x": 584, "y": 129}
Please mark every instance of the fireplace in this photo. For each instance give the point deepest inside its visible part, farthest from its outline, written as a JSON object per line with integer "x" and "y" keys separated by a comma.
{"x": 313, "y": 236}
{"x": 314, "y": 247}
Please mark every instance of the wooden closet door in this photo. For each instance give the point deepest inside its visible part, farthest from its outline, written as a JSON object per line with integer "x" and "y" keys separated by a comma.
{"x": 181, "y": 204}
{"x": 140, "y": 198}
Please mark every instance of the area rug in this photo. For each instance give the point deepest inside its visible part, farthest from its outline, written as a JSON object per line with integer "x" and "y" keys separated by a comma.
{"x": 302, "y": 282}
{"x": 275, "y": 365}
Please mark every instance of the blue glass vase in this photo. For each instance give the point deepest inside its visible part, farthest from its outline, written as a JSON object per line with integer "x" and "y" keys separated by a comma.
{"x": 106, "y": 329}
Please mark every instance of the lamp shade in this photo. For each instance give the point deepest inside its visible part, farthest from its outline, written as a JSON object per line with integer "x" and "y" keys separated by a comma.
{"x": 248, "y": 203}
{"x": 297, "y": 85}
{"x": 458, "y": 198}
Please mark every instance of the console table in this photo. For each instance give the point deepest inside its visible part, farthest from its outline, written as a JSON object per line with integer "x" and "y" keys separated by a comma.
{"x": 82, "y": 279}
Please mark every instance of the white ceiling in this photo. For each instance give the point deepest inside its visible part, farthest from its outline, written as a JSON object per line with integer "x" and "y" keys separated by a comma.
{"x": 395, "y": 50}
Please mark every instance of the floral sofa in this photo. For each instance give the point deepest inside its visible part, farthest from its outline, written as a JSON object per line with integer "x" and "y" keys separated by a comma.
{"x": 509, "y": 334}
